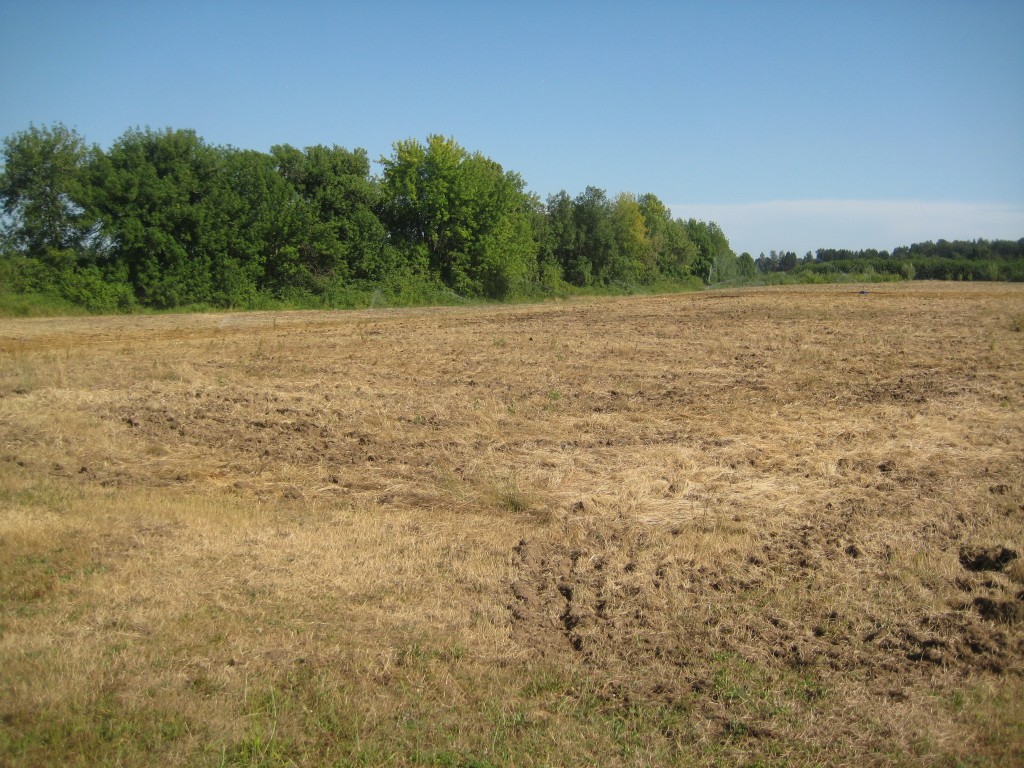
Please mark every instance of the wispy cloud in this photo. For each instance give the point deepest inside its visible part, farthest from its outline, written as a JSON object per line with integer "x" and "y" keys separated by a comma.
{"x": 806, "y": 225}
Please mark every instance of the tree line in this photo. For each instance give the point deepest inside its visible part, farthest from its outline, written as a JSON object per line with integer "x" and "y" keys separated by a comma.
{"x": 163, "y": 219}
{"x": 941, "y": 260}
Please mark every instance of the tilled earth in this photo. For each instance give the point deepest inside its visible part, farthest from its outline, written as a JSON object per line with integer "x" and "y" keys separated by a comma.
{"x": 802, "y": 500}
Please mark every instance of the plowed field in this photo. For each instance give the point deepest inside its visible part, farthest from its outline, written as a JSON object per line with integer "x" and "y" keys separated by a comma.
{"x": 763, "y": 526}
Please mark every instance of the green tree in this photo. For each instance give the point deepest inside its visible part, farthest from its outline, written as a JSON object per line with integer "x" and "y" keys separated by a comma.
{"x": 680, "y": 251}
{"x": 257, "y": 232}
{"x": 658, "y": 223}
{"x": 549, "y": 276}
{"x": 459, "y": 215}
{"x": 674, "y": 251}
{"x": 746, "y": 265}
{"x": 337, "y": 182}
{"x": 595, "y": 237}
{"x": 559, "y": 245}
{"x": 149, "y": 190}
{"x": 716, "y": 261}
{"x": 788, "y": 261}
{"x": 633, "y": 256}
{"x": 43, "y": 191}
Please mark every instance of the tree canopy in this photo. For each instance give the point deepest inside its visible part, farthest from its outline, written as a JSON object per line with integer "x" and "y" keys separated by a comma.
{"x": 163, "y": 219}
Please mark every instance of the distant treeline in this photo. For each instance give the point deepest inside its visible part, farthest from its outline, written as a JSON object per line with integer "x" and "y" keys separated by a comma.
{"x": 942, "y": 260}
{"x": 162, "y": 219}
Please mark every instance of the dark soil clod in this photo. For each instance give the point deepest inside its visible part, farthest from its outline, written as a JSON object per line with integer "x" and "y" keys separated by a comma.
{"x": 1004, "y": 611}
{"x": 986, "y": 558}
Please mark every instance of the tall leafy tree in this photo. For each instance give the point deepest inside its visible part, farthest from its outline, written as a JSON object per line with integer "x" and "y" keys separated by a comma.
{"x": 420, "y": 203}
{"x": 715, "y": 261}
{"x": 658, "y": 221}
{"x": 674, "y": 252}
{"x": 337, "y": 182}
{"x": 745, "y": 265}
{"x": 559, "y": 245}
{"x": 549, "y": 270}
{"x": 459, "y": 215}
{"x": 633, "y": 256}
{"x": 149, "y": 192}
{"x": 43, "y": 191}
{"x": 595, "y": 237}
{"x": 257, "y": 231}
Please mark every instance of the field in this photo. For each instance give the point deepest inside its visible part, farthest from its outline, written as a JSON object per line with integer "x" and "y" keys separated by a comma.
{"x": 761, "y": 527}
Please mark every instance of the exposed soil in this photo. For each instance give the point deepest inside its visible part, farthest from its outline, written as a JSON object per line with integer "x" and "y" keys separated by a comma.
{"x": 605, "y": 596}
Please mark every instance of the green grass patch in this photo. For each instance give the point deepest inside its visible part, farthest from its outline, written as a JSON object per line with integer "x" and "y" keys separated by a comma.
{"x": 37, "y": 305}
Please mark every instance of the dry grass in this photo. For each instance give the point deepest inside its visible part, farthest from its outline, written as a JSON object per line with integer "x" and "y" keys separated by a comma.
{"x": 703, "y": 529}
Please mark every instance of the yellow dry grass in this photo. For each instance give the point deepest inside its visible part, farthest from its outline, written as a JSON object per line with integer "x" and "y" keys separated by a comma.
{"x": 704, "y": 529}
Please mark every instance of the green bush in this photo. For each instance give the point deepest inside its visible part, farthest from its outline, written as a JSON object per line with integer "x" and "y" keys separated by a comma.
{"x": 86, "y": 287}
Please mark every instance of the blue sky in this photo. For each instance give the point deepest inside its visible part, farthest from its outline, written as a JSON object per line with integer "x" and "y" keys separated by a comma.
{"x": 794, "y": 125}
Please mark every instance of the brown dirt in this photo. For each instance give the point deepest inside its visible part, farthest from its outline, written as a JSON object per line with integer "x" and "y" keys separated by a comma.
{"x": 800, "y": 500}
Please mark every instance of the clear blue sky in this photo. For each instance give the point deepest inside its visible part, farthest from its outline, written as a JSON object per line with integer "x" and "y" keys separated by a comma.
{"x": 793, "y": 125}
